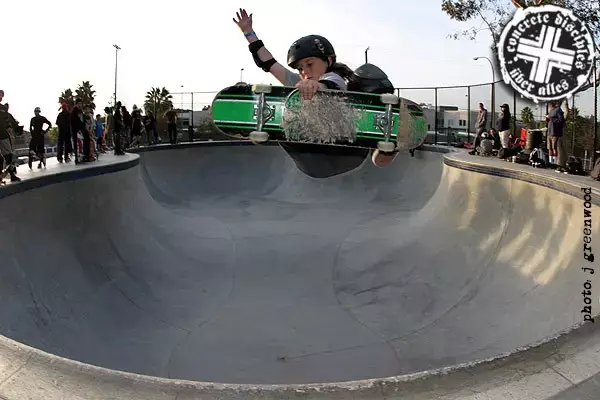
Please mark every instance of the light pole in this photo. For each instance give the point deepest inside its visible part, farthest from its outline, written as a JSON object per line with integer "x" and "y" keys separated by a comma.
{"x": 492, "y": 94}
{"x": 366, "y": 55}
{"x": 241, "y": 74}
{"x": 182, "y": 98}
{"x": 117, "y": 48}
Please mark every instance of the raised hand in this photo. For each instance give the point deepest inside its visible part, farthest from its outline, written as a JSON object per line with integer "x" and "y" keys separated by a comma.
{"x": 244, "y": 21}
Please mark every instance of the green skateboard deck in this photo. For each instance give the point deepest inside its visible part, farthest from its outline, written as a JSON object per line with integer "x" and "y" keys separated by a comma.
{"x": 335, "y": 118}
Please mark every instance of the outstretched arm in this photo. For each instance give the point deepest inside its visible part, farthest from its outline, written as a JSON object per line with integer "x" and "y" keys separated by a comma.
{"x": 281, "y": 73}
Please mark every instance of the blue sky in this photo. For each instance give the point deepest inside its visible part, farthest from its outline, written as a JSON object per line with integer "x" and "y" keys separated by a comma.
{"x": 53, "y": 45}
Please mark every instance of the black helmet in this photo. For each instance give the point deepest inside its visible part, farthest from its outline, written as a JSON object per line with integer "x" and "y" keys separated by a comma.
{"x": 370, "y": 78}
{"x": 309, "y": 46}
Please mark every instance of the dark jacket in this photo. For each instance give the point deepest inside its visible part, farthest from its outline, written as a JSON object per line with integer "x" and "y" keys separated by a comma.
{"x": 556, "y": 122}
{"x": 63, "y": 122}
{"x": 7, "y": 122}
{"x": 503, "y": 123}
{"x": 77, "y": 121}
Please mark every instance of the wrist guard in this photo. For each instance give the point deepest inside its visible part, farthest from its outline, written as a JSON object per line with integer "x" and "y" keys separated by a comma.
{"x": 264, "y": 65}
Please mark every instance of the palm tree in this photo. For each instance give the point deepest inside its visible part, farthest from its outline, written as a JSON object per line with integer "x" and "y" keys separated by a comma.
{"x": 158, "y": 101}
{"x": 86, "y": 94}
{"x": 66, "y": 97}
{"x": 527, "y": 117}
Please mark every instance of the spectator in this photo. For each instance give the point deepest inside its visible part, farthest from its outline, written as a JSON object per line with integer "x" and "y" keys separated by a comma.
{"x": 497, "y": 144}
{"x": 479, "y": 126}
{"x": 127, "y": 124}
{"x": 556, "y": 123}
{"x": 64, "y": 134}
{"x": 109, "y": 127}
{"x": 503, "y": 125}
{"x": 118, "y": 129}
{"x": 36, "y": 143}
{"x": 8, "y": 158}
{"x": 77, "y": 127}
{"x": 99, "y": 133}
{"x": 171, "y": 117}
{"x": 89, "y": 142}
{"x": 150, "y": 126}
{"x": 136, "y": 127}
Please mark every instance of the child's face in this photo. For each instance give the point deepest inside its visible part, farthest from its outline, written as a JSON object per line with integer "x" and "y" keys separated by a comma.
{"x": 311, "y": 68}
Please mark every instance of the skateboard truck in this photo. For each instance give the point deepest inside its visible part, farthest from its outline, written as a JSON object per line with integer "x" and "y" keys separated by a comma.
{"x": 386, "y": 123}
{"x": 263, "y": 114}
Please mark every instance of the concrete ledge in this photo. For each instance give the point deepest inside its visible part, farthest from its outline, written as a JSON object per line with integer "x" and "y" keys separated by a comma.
{"x": 568, "y": 184}
{"x": 56, "y": 173}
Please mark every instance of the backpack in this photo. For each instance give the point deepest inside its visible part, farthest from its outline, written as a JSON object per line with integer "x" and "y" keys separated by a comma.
{"x": 595, "y": 174}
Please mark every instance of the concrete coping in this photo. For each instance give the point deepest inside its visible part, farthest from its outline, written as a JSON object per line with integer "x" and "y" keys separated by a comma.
{"x": 537, "y": 371}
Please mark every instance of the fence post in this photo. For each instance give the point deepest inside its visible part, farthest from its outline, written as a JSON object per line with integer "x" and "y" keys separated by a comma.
{"x": 573, "y": 126}
{"x": 595, "y": 113}
{"x": 192, "y": 118}
{"x": 436, "y": 118}
{"x": 469, "y": 114}
{"x": 515, "y": 113}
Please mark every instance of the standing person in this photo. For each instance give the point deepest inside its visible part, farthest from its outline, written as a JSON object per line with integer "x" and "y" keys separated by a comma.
{"x": 127, "y": 125}
{"x": 89, "y": 142}
{"x": 136, "y": 126}
{"x": 36, "y": 143}
{"x": 99, "y": 133}
{"x": 8, "y": 158}
{"x": 503, "y": 125}
{"x": 77, "y": 127}
{"x": 150, "y": 126}
{"x": 109, "y": 127}
{"x": 171, "y": 117}
{"x": 64, "y": 134}
{"x": 479, "y": 126}
{"x": 556, "y": 124}
{"x": 118, "y": 130}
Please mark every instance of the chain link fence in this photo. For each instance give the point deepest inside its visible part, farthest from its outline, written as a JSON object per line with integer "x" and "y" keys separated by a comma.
{"x": 451, "y": 113}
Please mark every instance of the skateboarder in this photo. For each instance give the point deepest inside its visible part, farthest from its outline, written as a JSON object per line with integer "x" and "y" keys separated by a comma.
{"x": 77, "y": 127}
{"x": 312, "y": 56}
{"x": 36, "y": 144}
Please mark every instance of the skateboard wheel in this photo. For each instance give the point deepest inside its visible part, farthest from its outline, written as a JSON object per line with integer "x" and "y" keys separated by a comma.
{"x": 262, "y": 88}
{"x": 388, "y": 98}
{"x": 259, "y": 137}
{"x": 386, "y": 147}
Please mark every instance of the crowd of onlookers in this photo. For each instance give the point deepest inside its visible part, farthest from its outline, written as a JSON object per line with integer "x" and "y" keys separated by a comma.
{"x": 81, "y": 135}
{"x": 502, "y": 142}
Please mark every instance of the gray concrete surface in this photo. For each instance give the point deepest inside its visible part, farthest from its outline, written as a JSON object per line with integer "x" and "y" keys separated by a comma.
{"x": 227, "y": 265}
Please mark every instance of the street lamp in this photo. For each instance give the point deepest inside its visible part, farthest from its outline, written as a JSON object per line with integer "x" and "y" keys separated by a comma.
{"x": 181, "y": 98}
{"x": 366, "y": 55}
{"x": 117, "y": 48}
{"x": 492, "y": 94}
{"x": 241, "y": 74}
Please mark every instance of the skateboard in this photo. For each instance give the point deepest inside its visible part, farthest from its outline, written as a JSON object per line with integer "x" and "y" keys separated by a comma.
{"x": 262, "y": 113}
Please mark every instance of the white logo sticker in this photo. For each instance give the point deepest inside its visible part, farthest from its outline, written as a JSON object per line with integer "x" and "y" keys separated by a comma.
{"x": 546, "y": 53}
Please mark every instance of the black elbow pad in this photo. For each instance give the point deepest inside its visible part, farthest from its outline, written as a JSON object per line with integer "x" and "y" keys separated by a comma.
{"x": 264, "y": 65}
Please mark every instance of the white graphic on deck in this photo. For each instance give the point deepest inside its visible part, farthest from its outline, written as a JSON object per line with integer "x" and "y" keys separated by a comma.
{"x": 545, "y": 54}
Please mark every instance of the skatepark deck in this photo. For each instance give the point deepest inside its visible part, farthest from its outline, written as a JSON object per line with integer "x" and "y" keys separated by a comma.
{"x": 227, "y": 264}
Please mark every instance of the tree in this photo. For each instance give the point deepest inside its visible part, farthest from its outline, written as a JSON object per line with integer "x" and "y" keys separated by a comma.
{"x": 578, "y": 134}
{"x": 494, "y": 14}
{"x": 158, "y": 101}
{"x": 66, "y": 97}
{"x": 528, "y": 118}
{"x": 53, "y": 134}
{"x": 86, "y": 94}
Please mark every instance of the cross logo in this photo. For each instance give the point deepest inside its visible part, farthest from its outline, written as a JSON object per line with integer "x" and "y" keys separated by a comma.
{"x": 546, "y": 53}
